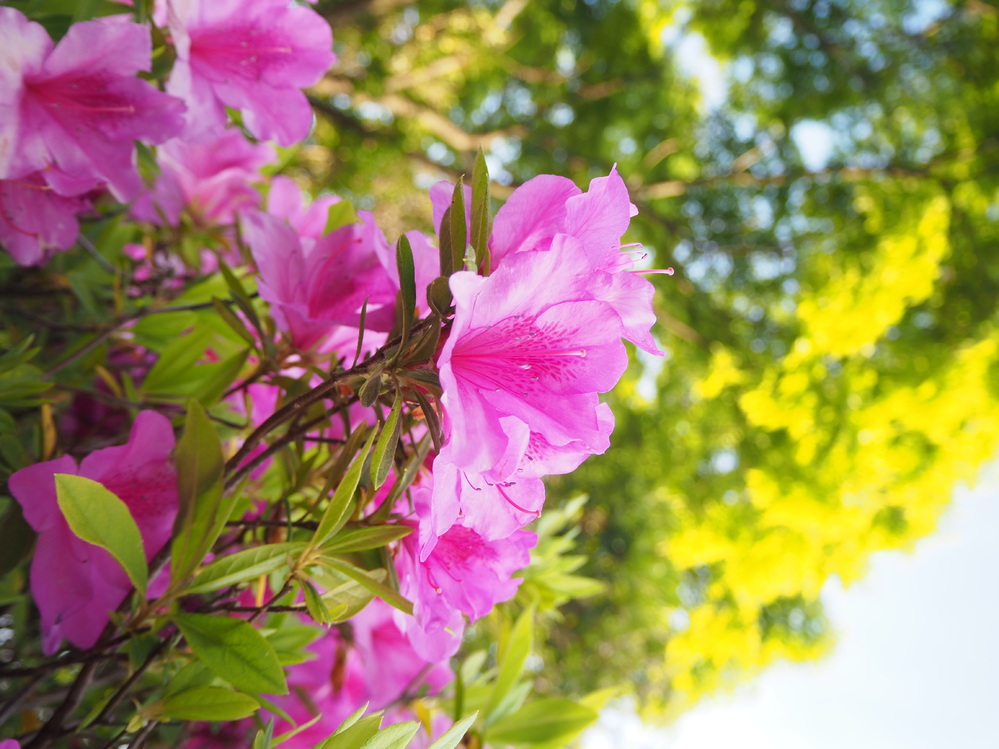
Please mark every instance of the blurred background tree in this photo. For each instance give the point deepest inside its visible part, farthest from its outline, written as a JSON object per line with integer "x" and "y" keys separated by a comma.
{"x": 830, "y": 205}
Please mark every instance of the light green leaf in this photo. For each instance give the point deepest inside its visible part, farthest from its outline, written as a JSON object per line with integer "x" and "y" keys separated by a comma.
{"x": 552, "y": 720}
{"x": 99, "y": 517}
{"x": 338, "y": 510}
{"x": 512, "y": 658}
{"x": 340, "y": 214}
{"x": 235, "y": 651}
{"x": 207, "y": 703}
{"x": 354, "y": 735}
{"x": 384, "y": 592}
{"x": 396, "y": 736}
{"x": 450, "y": 738}
{"x": 384, "y": 455}
{"x": 244, "y": 565}
{"x": 361, "y": 539}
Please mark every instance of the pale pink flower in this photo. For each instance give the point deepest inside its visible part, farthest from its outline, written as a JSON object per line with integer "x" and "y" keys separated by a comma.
{"x": 76, "y": 584}
{"x": 250, "y": 55}
{"x": 213, "y": 180}
{"x": 35, "y": 221}
{"x": 73, "y": 111}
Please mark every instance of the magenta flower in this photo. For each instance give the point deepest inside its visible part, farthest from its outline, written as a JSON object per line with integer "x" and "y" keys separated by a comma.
{"x": 73, "y": 111}
{"x": 463, "y": 574}
{"x": 212, "y": 180}
{"x": 76, "y": 584}
{"x": 35, "y": 221}
{"x": 250, "y": 55}
{"x": 317, "y": 287}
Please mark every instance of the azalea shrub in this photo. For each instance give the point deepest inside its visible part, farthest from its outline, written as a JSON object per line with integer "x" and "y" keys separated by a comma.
{"x": 270, "y": 474}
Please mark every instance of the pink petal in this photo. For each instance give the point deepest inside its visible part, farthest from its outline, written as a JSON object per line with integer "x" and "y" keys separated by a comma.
{"x": 534, "y": 213}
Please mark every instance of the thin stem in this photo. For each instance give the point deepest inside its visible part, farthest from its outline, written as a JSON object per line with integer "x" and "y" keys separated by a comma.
{"x": 53, "y": 727}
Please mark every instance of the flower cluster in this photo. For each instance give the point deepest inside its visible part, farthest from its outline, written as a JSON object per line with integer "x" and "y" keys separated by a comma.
{"x": 503, "y": 377}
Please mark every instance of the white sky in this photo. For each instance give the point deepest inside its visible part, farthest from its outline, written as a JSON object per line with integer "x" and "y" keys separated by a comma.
{"x": 915, "y": 667}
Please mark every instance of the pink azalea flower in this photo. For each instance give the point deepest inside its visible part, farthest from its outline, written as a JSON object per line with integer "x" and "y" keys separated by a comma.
{"x": 72, "y": 111}
{"x": 376, "y": 664}
{"x": 250, "y": 55}
{"x": 9, "y": 744}
{"x": 212, "y": 180}
{"x": 526, "y": 343}
{"x": 548, "y": 213}
{"x": 317, "y": 287}
{"x": 76, "y": 584}
{"x": 464, "y": 574}
{"x": 35, "y": 221}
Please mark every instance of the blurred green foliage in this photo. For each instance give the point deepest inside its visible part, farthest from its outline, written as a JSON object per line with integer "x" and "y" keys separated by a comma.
{"x": 830, "y": 332}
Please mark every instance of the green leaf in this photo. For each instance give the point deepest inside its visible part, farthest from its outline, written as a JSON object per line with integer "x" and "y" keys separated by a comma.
{"x": 396, "y": 736}
{"x": 459, "y": 226}
{"x": 232, "y": 320}
{"x": 426, "y": 345}
{"x": 207, "y": 703}
{"x": 354, "y": 717}
{"x": 362, "y": 539}
{"x": 355, "y": 735}
{"x": 439, "y": 296}
{"x": 203, "y": 508}
{"x": 371, "y": 388}
{"x": 340, "y": 214}
{"x": 512, "y": 657}
{"x": 338, "y": 510}
{"x": 278, "y": 740}
{"x": 407, "y": 286}
{"x": 265, "y": 736}
{"x": 413, "y": 466}
{"x": 234, "y": 651}
{"x": 315, "y": 605}
{"x": 480, "y": 213}
{"x": 381, "y": 590}
{"x": 177, "y": 362}
{"x": 99, "y": 517}
{"x": 444, "y": 246}
{"x": 244, "y": 565}
{"x": 552, "y": 720}
{"x": 384, "y": 455}
{"x": 194, "y": 674}
{"x": 16, "y": 537}
{"x": 450, "y": 738}
{"x": 432, "y": 419}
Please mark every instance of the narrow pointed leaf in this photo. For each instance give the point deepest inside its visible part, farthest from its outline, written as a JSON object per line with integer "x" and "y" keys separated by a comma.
{"x": 244, "y": 565}
{"x": 444, "y": 245}
{"x": 203, "y": 508}
{"x": 512, "y": 658}
{"x": 439, "y": 296}
{"x": 452, "y": 736}
{"x": 459, "y": 226}
{"x": 407, "y": 287}
{"x": 480, "y": 213}
{"x": 384, "y": 455}
{"x": 99, "y": 517}
{"x": 381, "y": 590}
{"x": 340, "y": 506}
{"x": 362, "y": 539}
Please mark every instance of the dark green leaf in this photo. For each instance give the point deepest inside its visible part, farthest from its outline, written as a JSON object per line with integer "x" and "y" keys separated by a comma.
{"x": 16, "y": 537}
{"x": 439, "y": 296}
{"x": 371, "y": 388}
{"x": 232, "y": 320}
{"x": 459, "y": 226}
{"x": 480, "y": 213}
{"x": 99, "y": 517}
{"x": 407, "y": 287}
{"x": 444, "y": 246}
